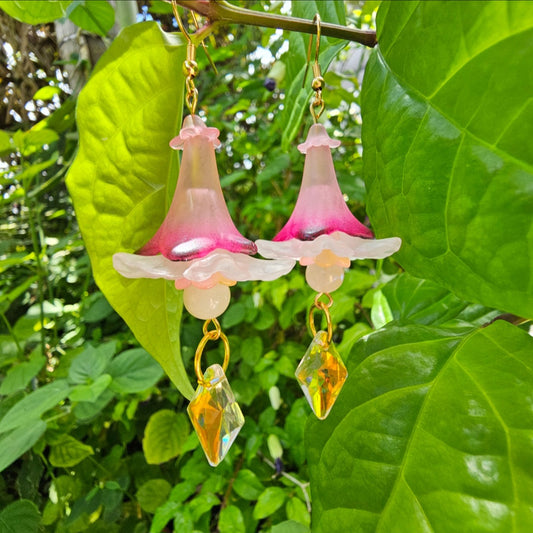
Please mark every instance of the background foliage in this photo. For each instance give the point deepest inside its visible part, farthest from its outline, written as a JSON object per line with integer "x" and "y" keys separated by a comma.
{"x": 433, "y": 429}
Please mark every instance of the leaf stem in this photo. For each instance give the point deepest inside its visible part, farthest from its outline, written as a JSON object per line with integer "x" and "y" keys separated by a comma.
{"x": 223, "y": 12}
{"x": 12, "y": 333}
{"x": 229, "y": 490}
{"x": 37, "y": 250}
{"x": 302, "y": 485}
{"x": 508, "y": 317}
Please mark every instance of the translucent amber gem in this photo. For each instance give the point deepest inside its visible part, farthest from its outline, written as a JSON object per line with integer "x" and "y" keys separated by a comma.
{"x": 215, "y": 415}
{"x": 321, "y": 374}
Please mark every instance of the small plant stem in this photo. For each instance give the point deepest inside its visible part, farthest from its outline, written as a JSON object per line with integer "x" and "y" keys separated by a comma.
{"x": 12, "y": 333}
{"x": 225, "y": 13}
{"x": 364, "y": 312}
{"x": 229, "y": 490}
{"x": 508, "y": 317}
{"x": 36, "y": 245}
{"x": 302, "y": 486}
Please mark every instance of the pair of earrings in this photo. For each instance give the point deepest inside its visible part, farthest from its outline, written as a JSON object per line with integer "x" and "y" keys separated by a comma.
{"x": 200, "y": 249}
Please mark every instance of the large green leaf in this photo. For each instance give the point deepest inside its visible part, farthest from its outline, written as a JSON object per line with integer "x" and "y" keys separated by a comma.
{"x": 432, "y": 432}
{"x": 420, "y": 301}
{"x": 448, "y": 122}
{"x": 35, "y": 11}
{"x": 122, "y": 176}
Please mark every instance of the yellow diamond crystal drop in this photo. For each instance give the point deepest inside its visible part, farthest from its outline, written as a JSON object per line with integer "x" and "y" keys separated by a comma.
{"x": 215, "y": 415}
{"x": 321, "y": 374}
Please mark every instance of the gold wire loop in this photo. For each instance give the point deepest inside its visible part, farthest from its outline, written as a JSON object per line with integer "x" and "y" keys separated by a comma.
{"x": 190, "y": 67}
{"x": 210, "y": 335}
{"x": 317, "y": 105}
{"x": 324, "y": 307}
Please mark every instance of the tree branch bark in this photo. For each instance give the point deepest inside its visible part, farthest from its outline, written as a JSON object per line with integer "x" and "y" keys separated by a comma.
{"x": 223, "y": 12}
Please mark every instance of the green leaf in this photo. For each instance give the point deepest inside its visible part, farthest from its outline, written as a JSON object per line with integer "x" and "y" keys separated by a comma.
{"x": 234, "y": 315}
{"x": 421, "y": 301}
{"x": 19, "y": 441}
{"x": 290, "y": 526}
{"x": 5, "y": 142}
{"x": 231, "y": 520}
{"x": 96, "y": 16}
{"x": 153, "y": 494}
{"x": 297, "y": 96}
{"x": 46, "y": 93}
{"x": 21, "y": 516}
{"x": 297, "y": 511}
{"x": 270, "y": 500}
{"x": 92, "y": 391}
{"x": 96, "y": 308}
{"x": 432, "y": 431}
{"x": 164, "y": 436}
{"x": 122, "y": 175}
{"x": 91, "y": 363}
{"x": 380, "y": 312}
{"x": 87, "y": 410}
{"x": 447, "y": 128}
{"x": 35, "y": 404}
{"x": 68, "y": 451}
{"x": 134, "y": 371}
{"x": 164, "y": 513}
{"x": 247, "y": 485}
{"x": 35, "y": 11}
{"x": 19, "y": 376}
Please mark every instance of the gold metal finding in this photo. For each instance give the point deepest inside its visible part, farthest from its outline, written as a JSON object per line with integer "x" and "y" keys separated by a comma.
{"x": 324, "y": 307}
{"x": 317, "y": 105}
{"x": 210, "y": 335}
{"x": 190, "y": 67}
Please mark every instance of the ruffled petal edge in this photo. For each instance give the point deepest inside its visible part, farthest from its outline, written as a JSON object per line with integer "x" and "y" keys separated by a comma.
{"x": 340, "y": 244}
{"x": 220, "y": 266}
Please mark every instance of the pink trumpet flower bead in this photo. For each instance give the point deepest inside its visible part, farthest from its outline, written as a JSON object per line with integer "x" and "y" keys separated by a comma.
{"x": 197, "y": 246}
{"x": 198, "y": 220}
{"x": 320, "y": 208}
{"x": 322, "y": 234}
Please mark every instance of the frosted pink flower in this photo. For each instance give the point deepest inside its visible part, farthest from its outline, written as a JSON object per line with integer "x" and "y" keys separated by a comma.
{"x": 322, "y": 233}
{"x": 197, "y": 245}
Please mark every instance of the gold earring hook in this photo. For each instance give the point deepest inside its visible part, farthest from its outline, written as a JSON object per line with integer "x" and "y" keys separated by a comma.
{"x": 190, "y": 67}
{"x": 318, "y": 80}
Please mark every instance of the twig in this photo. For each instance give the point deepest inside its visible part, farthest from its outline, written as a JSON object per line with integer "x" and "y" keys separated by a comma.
{"x": 223, "y": 12}
{"x": 227, "y": 494}
{"x": 292, "y": 479}
{"x": 508, "y": 317}
{"x": 364, "y": 312}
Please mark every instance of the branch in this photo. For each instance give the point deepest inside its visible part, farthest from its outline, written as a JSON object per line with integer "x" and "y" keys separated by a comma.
{"x": 226, "y": 13}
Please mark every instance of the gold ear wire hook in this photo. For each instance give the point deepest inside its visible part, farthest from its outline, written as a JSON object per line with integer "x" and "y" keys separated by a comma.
{"x": 316, "y": 66}
{"x": 190, "y": 67}
{"x": 318, "y": 80}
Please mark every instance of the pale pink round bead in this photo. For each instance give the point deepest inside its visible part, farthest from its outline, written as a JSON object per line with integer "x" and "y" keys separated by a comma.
{"x": 324, "y": 279}
{"x": 206, "y": 303}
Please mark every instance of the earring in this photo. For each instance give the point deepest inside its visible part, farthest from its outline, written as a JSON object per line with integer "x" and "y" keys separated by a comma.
{"x": 324, "y": 236}
{"x": 200, "y": 249}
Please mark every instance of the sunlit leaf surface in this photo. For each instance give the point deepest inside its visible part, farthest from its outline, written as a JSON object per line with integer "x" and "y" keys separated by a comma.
{"x": 432, "y": 432}
{"x": 448, "y": 159}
